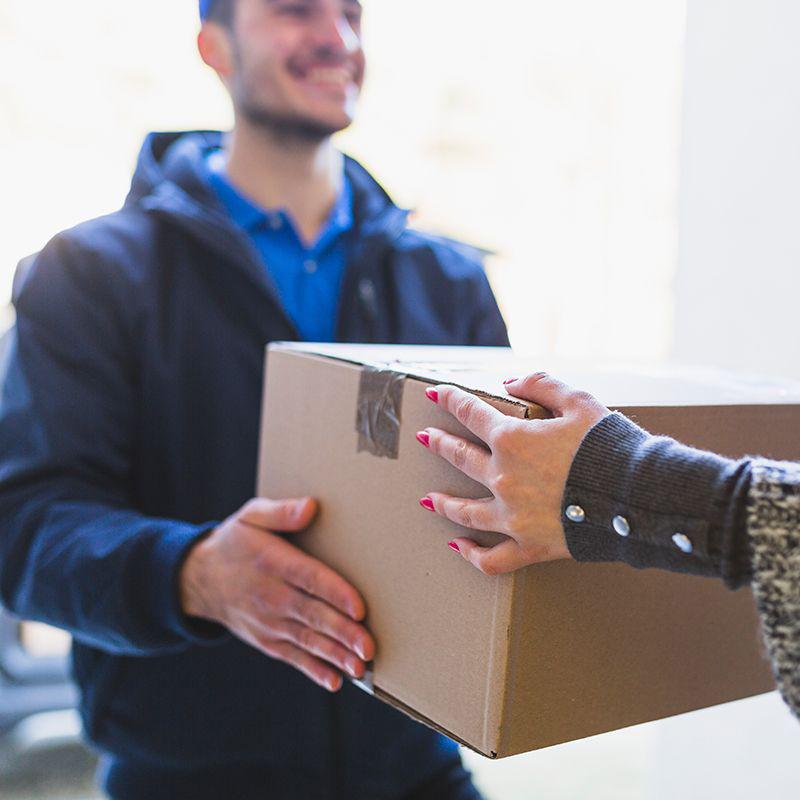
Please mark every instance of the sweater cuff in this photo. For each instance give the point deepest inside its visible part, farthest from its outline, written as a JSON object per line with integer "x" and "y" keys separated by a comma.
{"x": 169, "y": 553}
{"x": 651, "y": 502}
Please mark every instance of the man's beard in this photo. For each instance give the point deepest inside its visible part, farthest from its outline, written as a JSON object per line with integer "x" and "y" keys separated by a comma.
{"x": 286, "y": 127}
{"x": 283, "y": 126}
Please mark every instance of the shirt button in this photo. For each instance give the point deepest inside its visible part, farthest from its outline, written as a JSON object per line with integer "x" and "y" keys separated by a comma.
{"x": 683, "y": 542}
{"x": 310, "y": 266}
{"x": 575, "y": 514}
{"x": 621, "y": 526}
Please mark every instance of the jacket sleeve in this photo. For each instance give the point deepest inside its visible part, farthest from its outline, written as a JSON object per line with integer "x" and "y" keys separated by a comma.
{"x": 74, "y": 552}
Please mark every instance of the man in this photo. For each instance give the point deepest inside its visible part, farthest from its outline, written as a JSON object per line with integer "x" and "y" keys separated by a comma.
{"x": 129, "y": 426}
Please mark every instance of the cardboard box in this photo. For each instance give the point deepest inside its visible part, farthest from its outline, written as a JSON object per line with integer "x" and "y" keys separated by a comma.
{"x": 552, "y": 653}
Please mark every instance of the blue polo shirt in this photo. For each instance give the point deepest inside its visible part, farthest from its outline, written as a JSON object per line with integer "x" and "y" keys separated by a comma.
{"x": 307, "y": 278}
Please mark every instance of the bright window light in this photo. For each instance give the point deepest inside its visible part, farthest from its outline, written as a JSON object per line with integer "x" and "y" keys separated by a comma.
{"x": 547, "y": 133}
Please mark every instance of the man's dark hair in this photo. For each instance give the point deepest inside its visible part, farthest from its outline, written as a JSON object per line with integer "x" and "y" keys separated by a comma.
{"x": 221, "y": 11}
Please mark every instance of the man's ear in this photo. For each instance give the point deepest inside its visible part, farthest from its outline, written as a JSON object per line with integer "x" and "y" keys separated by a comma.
{"x": 214, "y": 45}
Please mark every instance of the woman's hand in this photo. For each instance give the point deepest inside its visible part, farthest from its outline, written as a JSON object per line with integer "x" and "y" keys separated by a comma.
{"x": 525, "y": 465}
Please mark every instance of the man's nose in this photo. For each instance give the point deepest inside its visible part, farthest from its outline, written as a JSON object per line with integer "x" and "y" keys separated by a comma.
{"x": 335, "y": 34}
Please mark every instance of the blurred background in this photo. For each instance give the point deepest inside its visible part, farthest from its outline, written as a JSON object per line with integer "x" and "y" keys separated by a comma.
{"x": 633, "y": 167}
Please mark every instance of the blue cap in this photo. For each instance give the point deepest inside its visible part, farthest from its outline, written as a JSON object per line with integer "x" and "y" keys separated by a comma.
{"x": 205, "y": 7}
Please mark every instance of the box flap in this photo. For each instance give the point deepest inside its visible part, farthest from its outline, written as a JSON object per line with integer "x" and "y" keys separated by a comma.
{"x": 618, "y": 386}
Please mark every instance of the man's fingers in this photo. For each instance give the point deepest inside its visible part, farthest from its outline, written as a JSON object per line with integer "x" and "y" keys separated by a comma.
{"x": 319, "y": 645}
{"x": 476, "y": 514}
{"x": 321, "y": 617}
{"x": 471, "y": 459}
{"x": 314, "y": 578}
{"x": 312, "y": 667}
{"x": 472, "y": 412}
{"x": 278, "y": 515}
{"x": 496, "y": 560}
{"x": 291, "y": 564}
{"x": 550, "y": 393}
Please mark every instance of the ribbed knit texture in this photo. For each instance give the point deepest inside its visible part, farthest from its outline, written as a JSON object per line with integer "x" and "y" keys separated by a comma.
{"x": 661, "y": 488}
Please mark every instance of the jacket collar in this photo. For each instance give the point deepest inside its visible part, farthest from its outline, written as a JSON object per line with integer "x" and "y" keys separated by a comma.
{"x": 170, "y": 179}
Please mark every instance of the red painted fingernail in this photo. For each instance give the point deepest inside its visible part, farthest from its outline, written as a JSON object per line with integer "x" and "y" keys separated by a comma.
{"x": 432, "y": 394}
{"x": 424, "y": 438}
{"x": 510, "y": 380}
{"x": 353, "y": 668}
{"x": 454, "y": 546}
{"x": 426, "y": 502}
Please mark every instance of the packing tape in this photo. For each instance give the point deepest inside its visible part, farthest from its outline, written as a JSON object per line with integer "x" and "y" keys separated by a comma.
{"x": 380, "y": 400}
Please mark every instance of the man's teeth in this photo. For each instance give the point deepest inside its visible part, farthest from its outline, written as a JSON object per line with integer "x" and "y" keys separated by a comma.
{"x": 337, "y": 75}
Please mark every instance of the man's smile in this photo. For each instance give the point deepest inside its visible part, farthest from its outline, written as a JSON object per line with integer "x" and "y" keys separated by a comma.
{"x": 333, "y": 78}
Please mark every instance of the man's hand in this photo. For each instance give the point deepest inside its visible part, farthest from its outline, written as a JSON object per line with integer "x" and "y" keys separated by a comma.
{"x": 275, "y": 597}
{"x": 524, "y": 464}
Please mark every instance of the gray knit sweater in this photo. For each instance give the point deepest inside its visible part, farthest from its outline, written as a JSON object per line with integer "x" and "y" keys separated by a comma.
{"x": 690, "y": 511}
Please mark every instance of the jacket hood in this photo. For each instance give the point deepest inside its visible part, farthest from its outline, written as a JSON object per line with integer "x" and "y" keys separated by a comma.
{"x": 170, "y": 178}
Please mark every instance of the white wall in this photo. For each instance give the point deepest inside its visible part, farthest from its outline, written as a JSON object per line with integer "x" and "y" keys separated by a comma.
{"x": 738, "y": 281}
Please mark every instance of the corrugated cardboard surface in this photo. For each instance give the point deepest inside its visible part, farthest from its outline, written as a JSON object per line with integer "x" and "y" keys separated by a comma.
{"x": 599, "y": 647}
{"x": 426, "y": 608}
{"x": 555, "y": 652}
{"x": 658, "y": 644}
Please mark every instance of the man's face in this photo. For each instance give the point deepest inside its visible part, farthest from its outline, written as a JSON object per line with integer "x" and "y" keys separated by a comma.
{"x": 298, "y": 65}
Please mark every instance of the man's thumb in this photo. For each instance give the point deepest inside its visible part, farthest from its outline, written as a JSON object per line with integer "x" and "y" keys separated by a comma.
{"x": 279, "y": 515}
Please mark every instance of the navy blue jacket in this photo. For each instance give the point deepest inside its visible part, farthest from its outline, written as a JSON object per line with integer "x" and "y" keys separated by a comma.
{"x": 129, "y": 423}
